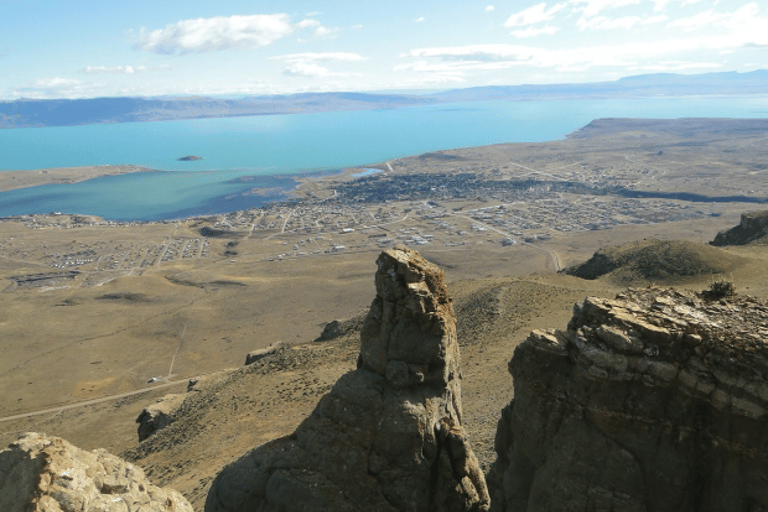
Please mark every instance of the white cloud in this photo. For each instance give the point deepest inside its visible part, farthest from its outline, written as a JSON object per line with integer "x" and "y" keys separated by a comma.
{"x": 59, "y": 87}
{"x": 306, "y": 64}
{"x": 533, "y": 32}
{"x": 321, "y": 57}
{"x": 419, "y": 19}
{"x": 660, "y": 5}
{"x": 625, "y": 22}
{"x": 634, "y": 55}
{"x": 123, "y": 70}
{"x": 745, "y": 16}
{"x": 326, "y": 33}
{"x": 215, "y": 34}
{"x": 490, "y": 8}
{"x": 535, "y": 14}
{"x": 700, "y": 20}
{"x": 306, "y": 69}
{"x": 455, "y": 61}
{"x": 118, "y": 70}
{"x": 672, "y": 65}
{"x": 590, "y": 8}
{"x": 741, "y": 28}
{"x": 58, "y": 82}
{"x": 456, "y": 69}
{"x": 320, "y": 32}
{"x": 308, "y": 23}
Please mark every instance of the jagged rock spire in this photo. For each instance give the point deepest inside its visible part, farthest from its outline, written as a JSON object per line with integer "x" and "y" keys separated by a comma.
{"x": 388, "y": 436}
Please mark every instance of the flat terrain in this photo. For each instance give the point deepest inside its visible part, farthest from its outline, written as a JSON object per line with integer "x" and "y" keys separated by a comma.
{"x": 91, "y": 309}
{"x": 11, "y": 180}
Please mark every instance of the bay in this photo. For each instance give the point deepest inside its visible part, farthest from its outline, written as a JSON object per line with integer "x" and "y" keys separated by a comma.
{"x": 242, "y": 153}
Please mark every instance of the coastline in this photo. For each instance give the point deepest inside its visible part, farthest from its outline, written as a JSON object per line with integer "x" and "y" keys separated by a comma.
{"x": 314, "y": 185}
{"x": 502, "y": 161}
{"x": 14, "y": 180}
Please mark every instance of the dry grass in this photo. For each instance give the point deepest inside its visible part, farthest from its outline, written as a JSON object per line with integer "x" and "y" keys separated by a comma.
{"x": 656, "y": 260}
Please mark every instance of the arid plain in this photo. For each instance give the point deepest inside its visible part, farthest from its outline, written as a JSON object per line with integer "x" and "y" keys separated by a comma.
{"x": 99, "y": 318}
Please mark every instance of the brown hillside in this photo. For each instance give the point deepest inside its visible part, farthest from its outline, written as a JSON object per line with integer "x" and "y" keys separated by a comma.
{"x": 654, "y": 259}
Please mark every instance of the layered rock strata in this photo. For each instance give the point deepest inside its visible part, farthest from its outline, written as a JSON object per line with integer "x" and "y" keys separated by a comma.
{"x": 653, "y": 401}
{"x": 388, "y": 436}
{"x": 48, "y": 474}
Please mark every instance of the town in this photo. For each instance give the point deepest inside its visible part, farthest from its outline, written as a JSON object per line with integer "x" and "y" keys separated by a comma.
{"x": 364, "y": 214}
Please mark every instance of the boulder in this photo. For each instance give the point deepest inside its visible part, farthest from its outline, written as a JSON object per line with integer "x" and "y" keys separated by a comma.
{"x": 653, "y": 401}
{"x": 388, "y": 436}
{"x": 47, "y": 474}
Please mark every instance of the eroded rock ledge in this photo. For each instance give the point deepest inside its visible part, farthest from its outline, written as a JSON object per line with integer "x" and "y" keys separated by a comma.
{"x": 653, "y": 401}
{"x": 388, "y": 436}
{"x": 752, "y": 227}
{"x": 47, "y": 474}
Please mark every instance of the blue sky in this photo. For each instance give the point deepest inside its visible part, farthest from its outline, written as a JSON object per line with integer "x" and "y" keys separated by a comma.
{"x": 86, "y": 48}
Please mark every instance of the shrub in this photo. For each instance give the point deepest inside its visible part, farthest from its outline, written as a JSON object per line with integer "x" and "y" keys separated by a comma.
{"x": 720, "y": 289}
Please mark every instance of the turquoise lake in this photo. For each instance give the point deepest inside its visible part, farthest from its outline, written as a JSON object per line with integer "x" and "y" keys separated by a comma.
{"x": 241, "y": 153}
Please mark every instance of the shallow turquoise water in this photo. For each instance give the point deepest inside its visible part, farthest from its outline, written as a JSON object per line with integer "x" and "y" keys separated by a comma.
{"x": 266, "y": 149}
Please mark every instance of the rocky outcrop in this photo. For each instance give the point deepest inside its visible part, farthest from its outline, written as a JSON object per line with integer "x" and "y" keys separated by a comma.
{"x": 388, "y": 436}
{"x": 752, "y": 227}
{"x": 259, "y": 354}
{"x": 47, "y": 474}
{"x": 338, "y": 328}
{"x": 653, "y": 401}
{"x": 167, "y": 409}
{"x": 158, "y": 415}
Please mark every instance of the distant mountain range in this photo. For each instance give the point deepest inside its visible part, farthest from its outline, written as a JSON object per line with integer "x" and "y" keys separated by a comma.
{"x": 39, "y": 113}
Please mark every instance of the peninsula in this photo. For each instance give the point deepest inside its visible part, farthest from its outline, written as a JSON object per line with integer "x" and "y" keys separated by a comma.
{"x": 12, "y": 180}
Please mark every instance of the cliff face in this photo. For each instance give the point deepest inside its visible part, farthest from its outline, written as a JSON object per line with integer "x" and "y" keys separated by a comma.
{"x": 753, "y": 226}
{"x": 653, "y": 401}
{"x": 388, "y": 436}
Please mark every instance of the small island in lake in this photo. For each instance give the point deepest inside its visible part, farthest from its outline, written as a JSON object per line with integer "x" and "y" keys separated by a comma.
{"x": 189, "y": 158}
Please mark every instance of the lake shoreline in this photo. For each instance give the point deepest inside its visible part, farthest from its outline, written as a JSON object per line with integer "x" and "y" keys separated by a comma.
{"x": 250, "y": 161}
{"x": 18, "y": 179}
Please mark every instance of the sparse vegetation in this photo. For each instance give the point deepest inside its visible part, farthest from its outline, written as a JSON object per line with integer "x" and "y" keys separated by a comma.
{"x": 655, "y": 259}
{"x": 720, "y": 289}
